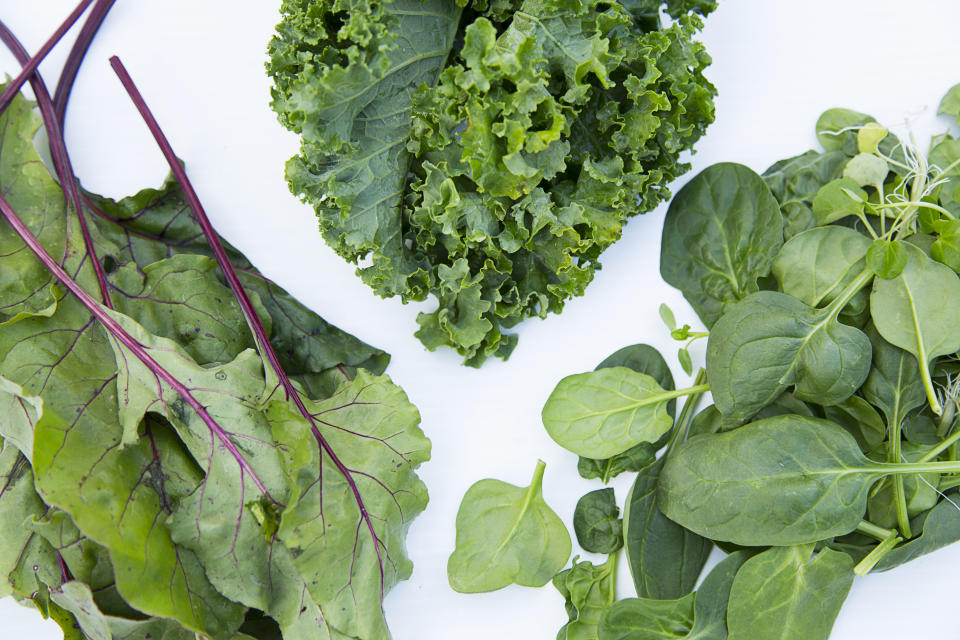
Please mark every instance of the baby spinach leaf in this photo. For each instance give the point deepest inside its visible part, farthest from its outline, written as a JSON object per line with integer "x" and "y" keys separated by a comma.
{"x": 665, "y": 559}
{"x": 783, "y": 594}
{"x": 781, "y": 481}
{"x": 641, "y": 358}
{"x": 711, "y": 600}
{"x": 605, "y": 412}
{"x": 588, "y": 590}
{"x": 596, "y": 521}
{"x": 770, "y": 341}
{"x": 866, "y": 169}
{"x": 506, "y": 535}
{"x": 795, "y": 183}
{"x": 860, "y": 419}
{"x": 894, "y": 385}
{"x": 916, "y": 311}
{"x": 633, "y": 459}
{"x": 950, "y": 103}
{"x": 817, "y": 265}
{"x": 869, "y": 137}
{"x": 946, "y": 248}
{"x": 721, "y": 234}
{"x": 647, "y": 619}
{"x": 833, "y": 201}
{"x": 940, "y": 527}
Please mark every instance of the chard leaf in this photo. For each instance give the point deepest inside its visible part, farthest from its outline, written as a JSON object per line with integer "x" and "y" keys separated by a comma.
{"x": 780, "y": 481}
{"x": 782, "y": 593}
{"x": 602, "y": 413}
{"x": 506, "y": 535}
{"x": 771, "y": 341}
{"x": 721, "y": 234}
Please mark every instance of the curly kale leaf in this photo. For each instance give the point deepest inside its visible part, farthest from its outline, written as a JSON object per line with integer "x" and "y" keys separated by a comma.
{"x": 485, "y": 154}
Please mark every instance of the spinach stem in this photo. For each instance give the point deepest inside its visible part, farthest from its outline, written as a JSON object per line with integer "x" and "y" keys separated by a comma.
{"x": 870, "y": 561}
{"x": 686, "y": 414}
{"x": 863, "y": 279}
{"x": 938, "y": 449}
{"x": 867, "y": 528}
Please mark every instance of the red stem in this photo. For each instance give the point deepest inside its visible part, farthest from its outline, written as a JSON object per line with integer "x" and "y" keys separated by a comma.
{"x": 121, "y": 335}
{"x": 58, "y": 149}
{"x": 233, "y": 280}
{"x": 77, "y": 53}
{"x": 17, "y": 83}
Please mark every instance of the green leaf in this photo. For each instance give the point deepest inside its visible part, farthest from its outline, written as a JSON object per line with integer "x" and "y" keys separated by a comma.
{"x": 946, "y": 248}
{"x": 647, "y": 619}
{"x": 782, "y": 594}
{"x": 817, "y": 265}
{"x": 633, "y": 459}
{"x": 711, "y": 601}
{"x": 596, "y": 521}
{"x": 665, "y": 559}
{"x": 950, "y": 104}
{"x": 919, "y": 490}
{"x": 894, "y": 385}
{"x": 771, "y": 341}
{"x": 834, "y": 201}
{"x": 837, "y": 129}
{"x": 940, "y": 527}
{"x": 666, "y": 314}
{"x": 18, "y": 413}
{"x": 780, "y": 481}
{"x": 721, "y": 234}
{"x": 857, "y": 416}
{"x": 588, "y": 590}
{"x": 869, "y": 136}
{"x": 795, "y": 183}
{"x": 866, "y": 169}
{"x": 887, "y": 258}
{"x": 916, "y": 311}
{"x": 506, "y": 535}
{"x": 605, "y": 412}
{"x": 18, "y": 502}
{"x": 643, "y": 358}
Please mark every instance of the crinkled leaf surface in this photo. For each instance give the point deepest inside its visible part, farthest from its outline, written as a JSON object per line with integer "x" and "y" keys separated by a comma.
{"x": 596, "y": 521}
{"x": 647, "y": 619}
{"x": 783, "y": 594}
{"x": 588, "y": 590}
{"x": 506, "y": 535}
{"x": 770, "y": 341}
{"x": 485, "y": 154}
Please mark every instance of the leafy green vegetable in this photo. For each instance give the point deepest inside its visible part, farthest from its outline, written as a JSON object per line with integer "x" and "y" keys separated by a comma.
{"x": 665, "y": 559}
{"x": 770, "y": 341}
{"x": 721, "y": 234}
{"x": 887, "y": 258}
{"x": 596, "y": 521}
{"x": 485, "y": 153}
{"x": 588, "y": 590}
{"x": 506, "y": 535}
{"x": 712, "y": 598}
{"x": 940, "y": 527}
{"x": 796, "y": 182}
{"x": 817, "y": 265}
{"x": 647, "y": 619}
{"x": 783, "y": 594}
{"x": 606, "y": 412}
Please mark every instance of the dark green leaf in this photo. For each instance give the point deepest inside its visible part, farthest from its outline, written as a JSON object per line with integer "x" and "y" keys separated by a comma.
{"x": 647, "y": 619}
{"x": 816, "y": 265}
{"x": 894, "y": 385}
{"x": 722, "y": 232}
{"x": 633, "y": 459}
{"x": 596, "y": 521}
{"x": 940, "y": 527}
{"x": 837, "y": 129}
{"x": 858, "y": 417}
{"x": 711, "y": 601}
{"x": 795, "y": 183}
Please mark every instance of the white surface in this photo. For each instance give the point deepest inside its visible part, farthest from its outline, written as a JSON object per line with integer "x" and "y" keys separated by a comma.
{"x": 777, "y": 66}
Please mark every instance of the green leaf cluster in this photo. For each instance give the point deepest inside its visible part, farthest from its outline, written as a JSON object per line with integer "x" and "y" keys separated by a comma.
{"x": 124, "y": 515}
{"x": 485, "y": 153}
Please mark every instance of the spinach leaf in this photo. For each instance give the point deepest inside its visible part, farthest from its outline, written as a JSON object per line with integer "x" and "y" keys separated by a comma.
{"x": 894, "y": 385}
{"x": 940, "y": 527}
{"x": 770, "y": 341}
{"x": 605, "y": 412}
{"x": 647, "y": 619}
{"x": 711, "y": 600}
{"x": 665, "y": 559}
{"x": 642, "y": 358}
{"x": 784, "y": 480}
{"x": 860, "y": 419}
{"x": 817, "y": 265}
{"x": 833, "y": 201}
{"x": 596, "y": 521}
{"x": 588, "y": 590}
{"x": 783, "y": 594}
{"x": 795, "y": 183}
{"x": 837, "y": 129}
{"x": 721, "y": 234}
{"x": 919, "y": 490}
{"x": 506, "y": 535}
{"x": 916, "y": 311}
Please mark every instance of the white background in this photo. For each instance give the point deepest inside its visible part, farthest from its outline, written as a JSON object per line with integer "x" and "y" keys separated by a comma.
{"x": 777, "y": 66}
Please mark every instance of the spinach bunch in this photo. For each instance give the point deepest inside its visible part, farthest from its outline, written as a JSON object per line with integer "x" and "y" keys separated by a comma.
{"x": 486, "y": 152}
{"x": 830, "y": 289}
